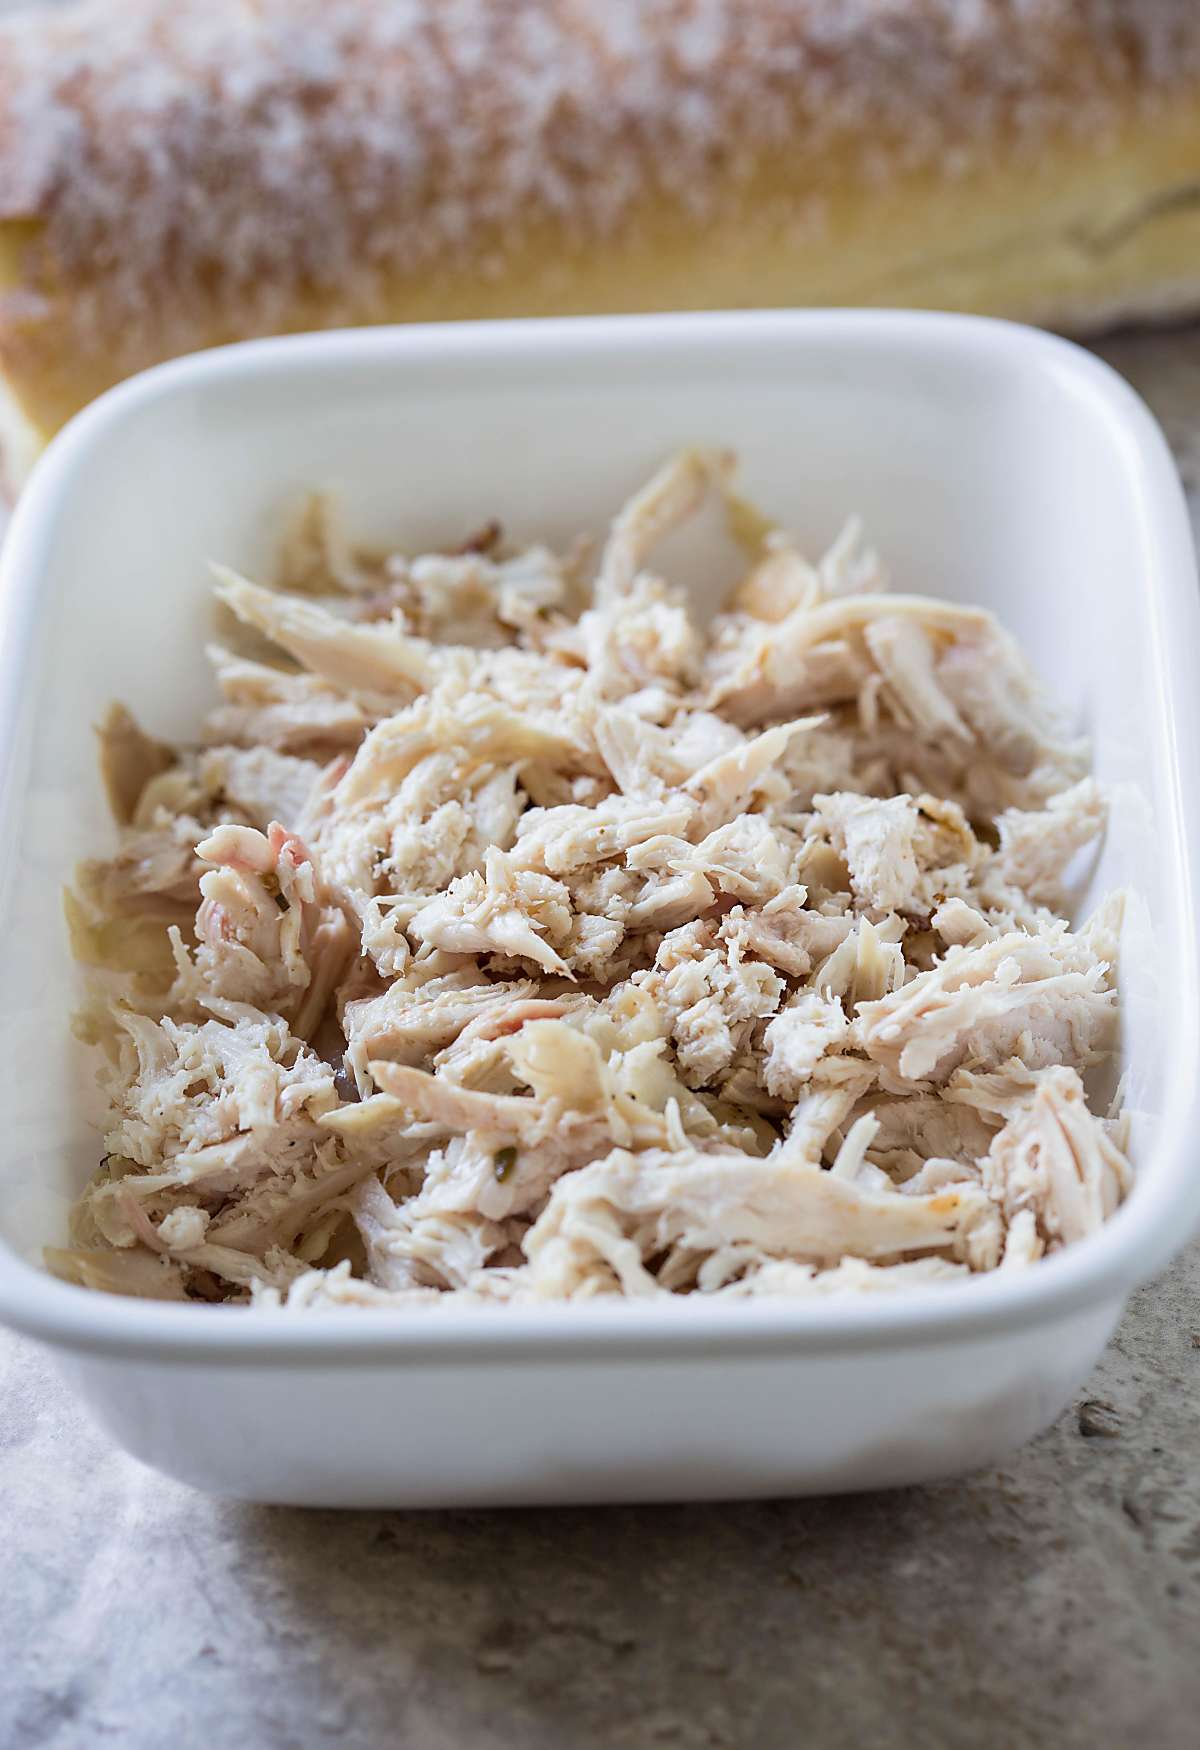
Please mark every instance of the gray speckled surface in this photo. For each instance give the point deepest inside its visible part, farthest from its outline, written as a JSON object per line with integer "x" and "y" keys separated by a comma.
{"x": 1054, "y": 1601}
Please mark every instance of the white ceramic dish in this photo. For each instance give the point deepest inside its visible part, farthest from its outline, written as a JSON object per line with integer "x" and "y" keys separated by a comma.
{"x": 991, "y": 463}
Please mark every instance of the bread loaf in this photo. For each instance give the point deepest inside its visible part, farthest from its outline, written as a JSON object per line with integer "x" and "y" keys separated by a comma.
{"x": 178, "y": 173}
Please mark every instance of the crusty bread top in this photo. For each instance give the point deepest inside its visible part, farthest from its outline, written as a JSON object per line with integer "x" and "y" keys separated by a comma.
{"x": 180, "y": 157}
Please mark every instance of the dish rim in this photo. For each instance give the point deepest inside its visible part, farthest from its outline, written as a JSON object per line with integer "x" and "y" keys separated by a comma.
{"x": 1154, "y": 1222}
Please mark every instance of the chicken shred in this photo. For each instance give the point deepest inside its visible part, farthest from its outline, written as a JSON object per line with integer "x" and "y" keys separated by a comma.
{"x": 488, "y": 948}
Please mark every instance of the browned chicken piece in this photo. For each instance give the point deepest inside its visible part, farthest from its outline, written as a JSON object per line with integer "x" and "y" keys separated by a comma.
{"x": 129, "y": 758}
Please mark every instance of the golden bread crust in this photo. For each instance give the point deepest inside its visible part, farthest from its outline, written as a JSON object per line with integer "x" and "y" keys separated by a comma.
{"x": 177, "y": 175}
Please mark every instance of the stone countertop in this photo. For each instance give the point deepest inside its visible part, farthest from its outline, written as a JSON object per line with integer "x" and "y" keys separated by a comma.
{"x": 1052, "y": 1601}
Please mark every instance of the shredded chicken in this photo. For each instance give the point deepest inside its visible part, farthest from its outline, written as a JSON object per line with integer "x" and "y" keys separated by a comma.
{"x": 493, "y": 946}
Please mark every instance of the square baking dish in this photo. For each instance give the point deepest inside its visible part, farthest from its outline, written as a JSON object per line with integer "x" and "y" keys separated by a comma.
{"x": 992, "y": 464}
